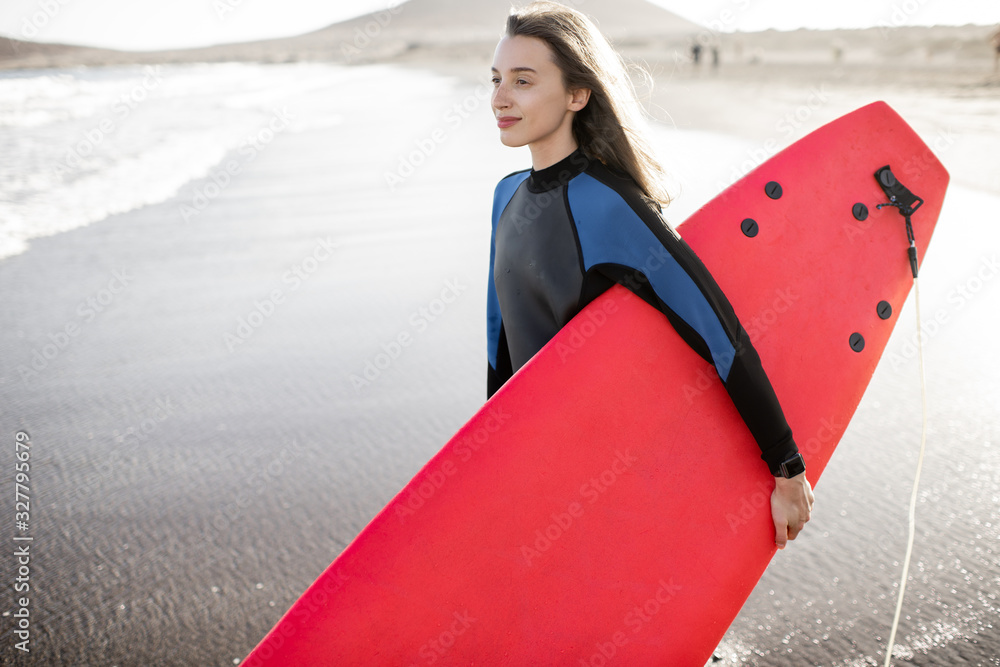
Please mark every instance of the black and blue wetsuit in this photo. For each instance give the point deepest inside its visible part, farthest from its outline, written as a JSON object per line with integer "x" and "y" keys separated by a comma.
{"x": 564, "y": 234}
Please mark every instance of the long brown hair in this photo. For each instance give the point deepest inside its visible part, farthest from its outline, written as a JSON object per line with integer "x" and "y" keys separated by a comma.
{"x": 608, "y": 128}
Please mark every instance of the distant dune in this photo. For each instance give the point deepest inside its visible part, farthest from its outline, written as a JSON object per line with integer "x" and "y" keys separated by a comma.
{"x": 449, "y": 31}
{"x": 417, "y": 24}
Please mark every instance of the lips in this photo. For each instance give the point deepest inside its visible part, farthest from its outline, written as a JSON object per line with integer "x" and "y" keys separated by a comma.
{"x": 506, "y": 121}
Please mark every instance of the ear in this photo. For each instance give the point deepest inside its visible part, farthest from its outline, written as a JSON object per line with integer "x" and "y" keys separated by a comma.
{"x": 578, "y": 99}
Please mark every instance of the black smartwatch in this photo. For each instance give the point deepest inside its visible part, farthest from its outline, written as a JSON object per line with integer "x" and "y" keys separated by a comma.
{"x": 792, "y": 467}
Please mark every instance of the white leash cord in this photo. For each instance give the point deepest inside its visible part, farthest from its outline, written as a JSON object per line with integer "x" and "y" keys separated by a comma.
{"x": 916, "y": 481}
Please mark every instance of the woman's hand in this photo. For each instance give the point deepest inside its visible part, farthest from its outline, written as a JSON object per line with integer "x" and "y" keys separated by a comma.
{"x": 791, "y": 507}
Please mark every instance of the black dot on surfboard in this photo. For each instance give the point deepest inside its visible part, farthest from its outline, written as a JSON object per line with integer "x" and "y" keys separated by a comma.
{"x": 860, "y": 211}
{"x": 749, "y": 227}
{"x": 857, "y": 342}
{"x": 773, "y": 190}
{"x": 884, "y": 309}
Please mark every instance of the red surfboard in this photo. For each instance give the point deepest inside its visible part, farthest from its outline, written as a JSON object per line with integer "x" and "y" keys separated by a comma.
{"x": 608, "y": 503}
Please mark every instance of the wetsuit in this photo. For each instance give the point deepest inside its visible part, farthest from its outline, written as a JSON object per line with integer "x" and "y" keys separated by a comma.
{"x": 564, "y": 234}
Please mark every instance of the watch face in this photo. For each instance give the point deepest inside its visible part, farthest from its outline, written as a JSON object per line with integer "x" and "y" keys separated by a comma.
{"x": 793, "y": 466}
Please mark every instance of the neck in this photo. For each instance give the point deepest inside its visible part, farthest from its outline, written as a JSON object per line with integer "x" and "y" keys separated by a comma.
{"x": 558, "y": 173}
{"x": 555, "y": 147}
{"x": 540, "y": 159}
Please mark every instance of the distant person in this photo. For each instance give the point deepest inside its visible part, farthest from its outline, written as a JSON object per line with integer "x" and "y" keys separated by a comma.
{"x": 996, "y": 50}
{"x": 696, "y": 53}
{"x": 715, "y": 57}
{"x": 562, "y": 91}
{"x": 838, "y": 51}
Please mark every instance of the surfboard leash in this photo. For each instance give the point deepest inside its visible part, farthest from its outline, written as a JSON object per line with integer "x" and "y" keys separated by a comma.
{"x": 906, "y": 202}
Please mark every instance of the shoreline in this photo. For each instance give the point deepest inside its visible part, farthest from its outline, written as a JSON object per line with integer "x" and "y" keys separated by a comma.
{"x": 770, "y": 106}
{"x": 384, "y": 41}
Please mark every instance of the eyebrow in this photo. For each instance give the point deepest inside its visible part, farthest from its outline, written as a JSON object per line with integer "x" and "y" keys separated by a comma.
{"x": 515, "y": 69}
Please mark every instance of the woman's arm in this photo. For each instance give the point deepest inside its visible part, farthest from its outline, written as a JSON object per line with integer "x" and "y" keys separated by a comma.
{"x": 625, "y": 240}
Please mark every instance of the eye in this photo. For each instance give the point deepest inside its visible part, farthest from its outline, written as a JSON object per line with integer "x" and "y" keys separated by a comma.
{"x": 522, "y": 82}
{"x": 495, "y": 80}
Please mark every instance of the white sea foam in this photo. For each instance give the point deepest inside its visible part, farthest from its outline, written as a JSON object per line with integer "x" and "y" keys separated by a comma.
{"x": 77, "y": 146}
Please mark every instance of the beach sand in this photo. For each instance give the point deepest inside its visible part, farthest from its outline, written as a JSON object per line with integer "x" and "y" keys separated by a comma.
{"x": 255, "y": 383}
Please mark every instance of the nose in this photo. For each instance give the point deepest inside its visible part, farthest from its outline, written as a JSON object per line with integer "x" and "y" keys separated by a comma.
{"x": 500, "y": 100}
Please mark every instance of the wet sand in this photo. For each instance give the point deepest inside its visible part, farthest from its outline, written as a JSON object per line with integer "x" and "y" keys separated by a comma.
{"x": 212, "y": 436}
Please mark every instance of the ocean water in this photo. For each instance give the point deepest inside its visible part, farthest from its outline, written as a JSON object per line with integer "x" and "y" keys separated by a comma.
{"x": 79, "y": 145}
{"x": 157, "y": 545}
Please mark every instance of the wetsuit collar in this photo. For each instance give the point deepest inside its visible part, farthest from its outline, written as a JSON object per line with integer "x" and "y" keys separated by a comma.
{"x": 558, "y": 174}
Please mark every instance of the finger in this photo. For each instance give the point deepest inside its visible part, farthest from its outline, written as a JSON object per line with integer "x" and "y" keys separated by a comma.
{"x": 781, "y": 535}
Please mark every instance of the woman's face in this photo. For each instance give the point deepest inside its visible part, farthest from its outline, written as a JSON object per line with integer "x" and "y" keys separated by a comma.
{"x": 530, "y": 102}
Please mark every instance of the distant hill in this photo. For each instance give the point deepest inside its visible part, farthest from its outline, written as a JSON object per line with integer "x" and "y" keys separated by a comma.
{"x": 461, "y": 21}
{"x": 26, "y": 54}
{"x": 417, "y": 24}
{"x": 459, "y": 31}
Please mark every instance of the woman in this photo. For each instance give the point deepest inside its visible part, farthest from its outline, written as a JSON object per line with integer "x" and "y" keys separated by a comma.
{"x": 588, "y": 215}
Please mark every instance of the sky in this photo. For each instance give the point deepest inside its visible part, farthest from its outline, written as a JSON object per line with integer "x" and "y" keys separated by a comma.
{"x": 144, "y": 25}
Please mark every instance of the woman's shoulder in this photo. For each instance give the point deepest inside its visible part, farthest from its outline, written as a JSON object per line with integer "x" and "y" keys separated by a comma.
{"x": 509, "y": 183}
{"x": 505, "y": 189}
{"x": 622, "y": 184}
{"x": 520, "y": 173}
